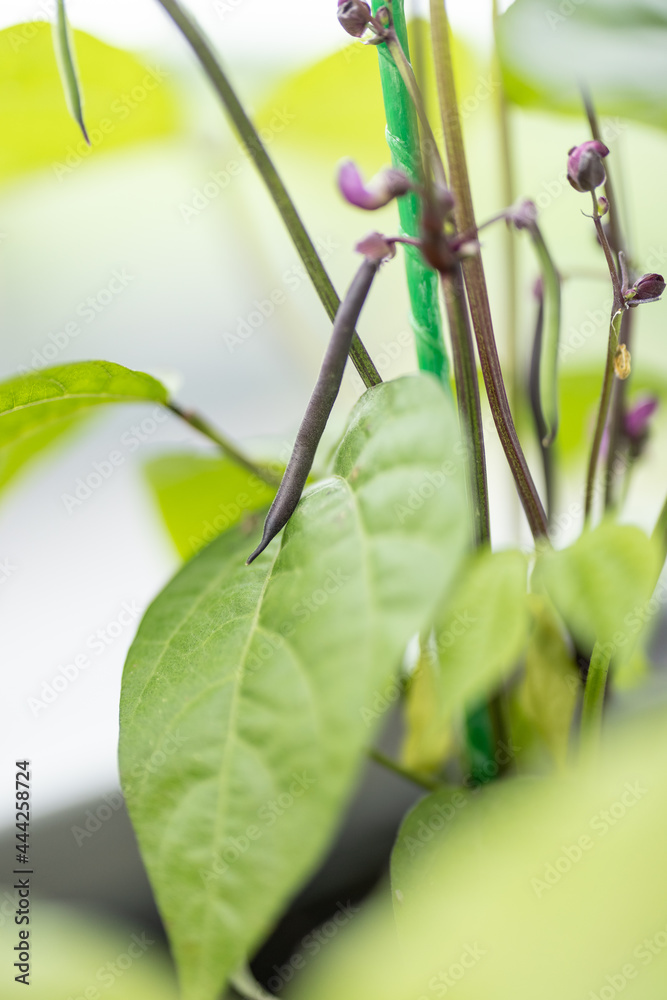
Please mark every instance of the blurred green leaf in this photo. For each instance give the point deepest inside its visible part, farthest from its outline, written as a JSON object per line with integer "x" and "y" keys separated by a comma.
{"x": 37, "y": 408}
{"x": 617, "y": 47}
{"x": 546, "y": 889}
{"x": 66, "y": 60}
{"x": 127, "y": 102}
{"x": 483, "y": 630}
{"x": 82, "y": 955}
{"x": 420, "y": 839}
{"x": 251, "y": 684}
{"x": 551, "y": 685}
{"x": 201, "y": 496}
{"x": 602, "y": 585}
{"x": 427, "y": 738}
{"x": 335, "y": 108}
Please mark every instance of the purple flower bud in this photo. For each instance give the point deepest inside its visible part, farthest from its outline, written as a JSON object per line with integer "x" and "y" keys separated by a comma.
{"x": 648, "y": 288}
{"x": 376, "y": 247}
{"x": 354, "y": 16}
{"x": 603, "y": 206}
{"x": 377, "y": 193}
{"x": 585, "y": 169}
{"x": 637, "y": 420}
{"x": 523, "y": 215}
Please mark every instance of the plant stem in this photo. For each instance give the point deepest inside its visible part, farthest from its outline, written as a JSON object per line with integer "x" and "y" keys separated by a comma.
{"x": 536, "y": 407}
{"x": 391, "y": 765}
{"x": 594, "y": 694}
{"x": 467, "y": 397}
{"x": 548, "y": 371}
{"x": 617, "y": 310}
{"x": 404, "y": 144}
{"x": 230, "y": 449}
{"x": 473, "y": 271}
{"x": 508, "y": 197}
{"x": 248, "y": 135}
{"x": 659, "y": 535}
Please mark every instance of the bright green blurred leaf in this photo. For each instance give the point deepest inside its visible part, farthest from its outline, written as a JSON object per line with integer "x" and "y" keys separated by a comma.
{"x": 602, "y": 585}
{"x": 546, "y": 889}
{"x": 82, "y": 955}
{"x": 334, "y": 108}
{"x": 37, "y": 408}
{"x": 427, "y": 739}
{"x": 127, "y": 102}
{"x": 257, "y": 679}
{"x": 617, "y": 47}
{"x": 201, "y": 496}
{"x": 420, "y": 840}
{"x": 483, "y": 629}
{"x": 551, "y": 685}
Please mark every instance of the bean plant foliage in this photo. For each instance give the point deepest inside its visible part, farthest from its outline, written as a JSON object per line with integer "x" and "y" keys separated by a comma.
{"x": 343, "y": 587}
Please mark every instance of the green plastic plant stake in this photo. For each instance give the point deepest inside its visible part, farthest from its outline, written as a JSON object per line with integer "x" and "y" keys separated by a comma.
{"x": 404, "y": 145}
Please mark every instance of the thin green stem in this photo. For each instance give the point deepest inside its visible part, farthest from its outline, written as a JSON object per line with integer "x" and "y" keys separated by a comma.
{"x": 248, "y": 135}
{"x": 508, "y": 188}
{"x": 404, "y": 143}
{"x": 594, "y": 694}
{"x": 468, "y": 401}
{"x": 391, "y": 765}
{"x": 603, "y": 410}
{"x": 536, "y": 407}
{"x": 659, "y": 535}
{"x": 548, "y": 380}
{"x": 200, "y": 424}
{"x": 473, "y": 271}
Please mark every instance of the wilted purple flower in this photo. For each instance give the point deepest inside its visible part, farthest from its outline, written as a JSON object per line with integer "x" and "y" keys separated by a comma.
{"x": 523, "y": 215}
{"x": 377, "y": 193}
{"x": 637, "y": 420}
{"x": 648, "y": 288}
{"x": 354, "y": 16}
{"x": 585, "y": 169}
{"x": 376, "y": 247}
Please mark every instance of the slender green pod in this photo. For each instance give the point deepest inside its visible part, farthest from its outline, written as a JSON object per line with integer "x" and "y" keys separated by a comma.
{"x": 63, "y": 44}
{"x": 320, "y": 406}
{"x": 548, "y": 365}
{"x": 404, "y": 144}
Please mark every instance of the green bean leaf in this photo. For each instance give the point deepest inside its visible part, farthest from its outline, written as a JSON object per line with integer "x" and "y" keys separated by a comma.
{"x": 247, "y": 694}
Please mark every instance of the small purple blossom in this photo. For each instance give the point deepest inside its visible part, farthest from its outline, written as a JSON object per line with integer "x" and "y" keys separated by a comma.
{"x": 376, "y": 193}
{"x": 637, "y": 420}
{"x": 523, "y": 215}
{"x": 585, "y": 169}
{"x": 354, "y": 16}
{"x": 648, "y": 288}
{"x": 375, "y": 246}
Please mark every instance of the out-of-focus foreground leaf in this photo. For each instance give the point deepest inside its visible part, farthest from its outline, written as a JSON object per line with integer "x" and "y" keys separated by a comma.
{"x": 545, "y": 889}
